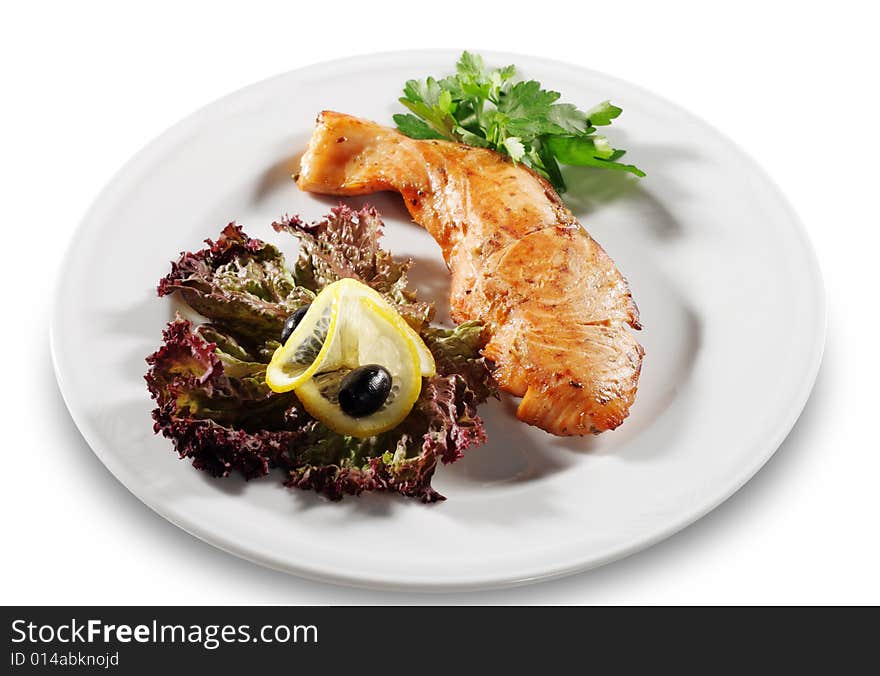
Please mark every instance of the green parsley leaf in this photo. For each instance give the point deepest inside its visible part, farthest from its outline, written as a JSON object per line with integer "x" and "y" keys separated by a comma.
{"x": 470, "y": 67}
{"x": 414, "y": 127}
{"x": 568, "y": 118}
{"x": 547, "y": 160}
{"x": 514, "y": 148}
{"x": 603, "y": 114}
{"x": 487, "y": 108}
{"x": 472, "y": 139}
{"x": 583, "y": 152}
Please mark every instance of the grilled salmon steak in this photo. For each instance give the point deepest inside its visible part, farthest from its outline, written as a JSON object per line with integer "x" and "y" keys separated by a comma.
{"x": 558, "y": 310}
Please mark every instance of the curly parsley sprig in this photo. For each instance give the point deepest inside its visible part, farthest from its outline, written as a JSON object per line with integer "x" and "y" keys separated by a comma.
{"x": 487, "y": 108}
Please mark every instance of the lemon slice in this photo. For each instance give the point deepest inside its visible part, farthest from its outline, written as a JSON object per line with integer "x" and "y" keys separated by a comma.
{"x": 426, "y": 359}
{"x": 308, "y": 346}
{"x": 349, "y": 326}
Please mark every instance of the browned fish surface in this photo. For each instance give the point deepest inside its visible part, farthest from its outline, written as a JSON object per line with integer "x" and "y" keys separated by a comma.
{"x": 558, "y": 309}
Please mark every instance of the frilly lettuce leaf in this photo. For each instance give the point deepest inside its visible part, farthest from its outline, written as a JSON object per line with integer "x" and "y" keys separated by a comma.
{"x": 209, "y": 381}
{"x": 346, "y": 244}
{"x": 223, "y": 424}
{"x": 238, "y": 283}
{"x": 457, "y": 352}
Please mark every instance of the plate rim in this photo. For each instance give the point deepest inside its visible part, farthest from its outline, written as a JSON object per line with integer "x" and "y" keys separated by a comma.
{"x": 302, "y": 569}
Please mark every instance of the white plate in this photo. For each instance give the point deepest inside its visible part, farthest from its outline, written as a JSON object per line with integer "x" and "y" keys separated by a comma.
{"x": 728, "y": 286}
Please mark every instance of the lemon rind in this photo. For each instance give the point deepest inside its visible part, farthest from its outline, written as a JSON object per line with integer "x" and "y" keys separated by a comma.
{"x": 293, "y": 383}
{"x": 353, "y": 426}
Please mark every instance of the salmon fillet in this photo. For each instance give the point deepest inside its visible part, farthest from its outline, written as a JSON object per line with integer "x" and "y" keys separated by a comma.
{"x": 558, "y": 310}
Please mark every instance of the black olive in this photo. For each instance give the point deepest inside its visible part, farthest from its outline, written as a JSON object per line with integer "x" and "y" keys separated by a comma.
{"x": 292, "y": 322}
{"x": 364, "y": 390}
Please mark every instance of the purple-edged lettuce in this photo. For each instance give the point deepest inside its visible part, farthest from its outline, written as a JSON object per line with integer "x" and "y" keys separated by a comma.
{"x": 344, "y": 245}
{"x": 209, "y": 385}
{"x": 238, "y": 282}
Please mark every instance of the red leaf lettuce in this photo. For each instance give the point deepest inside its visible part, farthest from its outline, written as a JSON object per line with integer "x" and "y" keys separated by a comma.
{"x": 208, "y": 382}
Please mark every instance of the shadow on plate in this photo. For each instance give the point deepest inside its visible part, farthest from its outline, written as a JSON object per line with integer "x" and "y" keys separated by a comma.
{"x": 514, "y": 453}
{"x": 279, "y": 175}
{"x": 430, "y": 277}
{"x": 590, "y": 189}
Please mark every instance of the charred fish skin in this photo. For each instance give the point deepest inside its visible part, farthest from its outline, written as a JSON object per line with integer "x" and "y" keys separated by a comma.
{"x": 560, "y": 313}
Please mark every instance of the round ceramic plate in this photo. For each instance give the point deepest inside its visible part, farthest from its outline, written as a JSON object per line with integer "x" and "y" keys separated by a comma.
{"x": 730, "y": 296}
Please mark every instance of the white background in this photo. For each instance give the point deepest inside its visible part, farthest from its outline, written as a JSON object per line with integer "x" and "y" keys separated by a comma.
{"x": 85, "y": 85}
